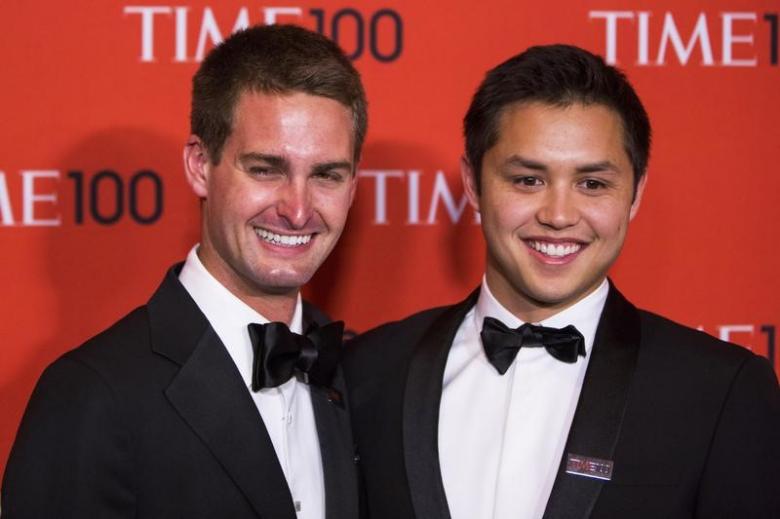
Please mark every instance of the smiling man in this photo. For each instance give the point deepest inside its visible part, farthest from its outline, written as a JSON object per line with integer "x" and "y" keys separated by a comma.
{"x": 546, "y": 393}
{"x": 221, "y": 397}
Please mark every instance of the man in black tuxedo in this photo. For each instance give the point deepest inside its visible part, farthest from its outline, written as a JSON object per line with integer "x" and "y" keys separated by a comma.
{"x": 203, "y": 403}
{"x": 546, "y": 393}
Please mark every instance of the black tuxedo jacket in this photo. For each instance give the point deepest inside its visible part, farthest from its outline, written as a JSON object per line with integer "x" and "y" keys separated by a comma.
{"x": 692, "y": 424}
{"x": 152, "y": 419}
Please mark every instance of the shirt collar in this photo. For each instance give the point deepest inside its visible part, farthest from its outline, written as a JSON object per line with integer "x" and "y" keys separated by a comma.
{"x": 584, "y": 314}
{"x": 227, "y": 314}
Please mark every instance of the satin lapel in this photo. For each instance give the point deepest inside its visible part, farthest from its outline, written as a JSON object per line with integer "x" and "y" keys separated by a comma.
{"x": 421, "y": 413}
{"x": 597, "y": 421}
{"x": 336, "y": 447}
{"x": 210, "y": 396}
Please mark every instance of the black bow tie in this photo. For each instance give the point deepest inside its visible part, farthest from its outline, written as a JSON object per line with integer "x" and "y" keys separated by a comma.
{"x": 502, "y": 343}
{"x": 279, "y": 352}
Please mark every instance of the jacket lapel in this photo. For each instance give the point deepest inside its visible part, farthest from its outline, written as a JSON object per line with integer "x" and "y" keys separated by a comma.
{"x": 209, "y": 395}
{"x": 335, "y": 435}
{"x": 337, "y": 450}
{"x": 421, "y": 412}
{"x": 597, "y": 421}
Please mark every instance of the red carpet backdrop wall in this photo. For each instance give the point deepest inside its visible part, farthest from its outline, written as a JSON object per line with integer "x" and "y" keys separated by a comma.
{"x": 94, "y": 113}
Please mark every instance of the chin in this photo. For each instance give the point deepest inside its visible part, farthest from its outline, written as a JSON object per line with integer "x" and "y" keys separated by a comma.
{"x": 276, "y": 281}
{"x": 545, "y": 295}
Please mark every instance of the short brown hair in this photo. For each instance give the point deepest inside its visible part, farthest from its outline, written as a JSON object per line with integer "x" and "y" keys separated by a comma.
{"x": 271, "y": 59}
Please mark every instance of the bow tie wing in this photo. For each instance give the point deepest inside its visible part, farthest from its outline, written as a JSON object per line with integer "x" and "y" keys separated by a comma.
{"x": 500, "y": 342}
{"x": 327, "y": 341}
{"x": 276, "y": 353}
{"x": 565, "y": 344}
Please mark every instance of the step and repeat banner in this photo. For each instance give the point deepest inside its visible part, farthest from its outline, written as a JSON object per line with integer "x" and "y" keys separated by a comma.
{"x": 94, "y": 112}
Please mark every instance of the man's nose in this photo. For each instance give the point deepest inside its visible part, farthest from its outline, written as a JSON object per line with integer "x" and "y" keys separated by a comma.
{"x": 559, "y": 208}
{"x": 294, "y": 203}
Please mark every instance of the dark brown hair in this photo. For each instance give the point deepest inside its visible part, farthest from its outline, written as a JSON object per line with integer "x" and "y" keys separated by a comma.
{"x": 271, "y": 59}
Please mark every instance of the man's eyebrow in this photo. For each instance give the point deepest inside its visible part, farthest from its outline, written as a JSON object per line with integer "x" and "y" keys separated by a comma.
{"x": 596, "y": 167}
{"x": 522, "y": 162}
{"x": 592, "y": 167}
{"x": 329, "y": 166}
{"x": 275, "y": 161}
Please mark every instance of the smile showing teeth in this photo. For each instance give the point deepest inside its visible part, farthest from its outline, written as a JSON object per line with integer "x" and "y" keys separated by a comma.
{"x": 556, "y": 251}
{"x": 285, "y": 240}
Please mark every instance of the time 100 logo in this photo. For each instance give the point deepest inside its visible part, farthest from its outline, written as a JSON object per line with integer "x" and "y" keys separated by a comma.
{"x": 167, "y": 30}
{"x": 33, "y": 198}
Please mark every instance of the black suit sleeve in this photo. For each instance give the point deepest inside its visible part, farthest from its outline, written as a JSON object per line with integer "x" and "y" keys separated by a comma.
{"x": 71, "y": 455}
{"x": 743, "y": 467}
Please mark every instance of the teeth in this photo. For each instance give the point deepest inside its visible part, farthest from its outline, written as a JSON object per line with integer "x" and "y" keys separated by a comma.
{"x": 555, "y": 251}
{"x": 286, "y": 240}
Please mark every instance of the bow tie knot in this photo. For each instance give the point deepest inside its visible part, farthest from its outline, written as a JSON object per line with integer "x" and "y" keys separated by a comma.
{"x": 279, "y": 353}
{"x": 502, "y": 343}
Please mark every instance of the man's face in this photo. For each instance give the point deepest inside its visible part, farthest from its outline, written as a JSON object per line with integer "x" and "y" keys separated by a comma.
{"x": 555, "y": 203}
{"x": 276, "y": 203}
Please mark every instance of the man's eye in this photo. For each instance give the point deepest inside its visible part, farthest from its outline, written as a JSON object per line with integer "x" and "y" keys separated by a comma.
{"x": 528, "y": 181}
{"x": 333, "y": 176}
{"x": 593, "y": 184}
{"x": 262, "y": 171}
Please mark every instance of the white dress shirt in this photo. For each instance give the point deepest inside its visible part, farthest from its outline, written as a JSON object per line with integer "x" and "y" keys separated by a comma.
{"x": 501, "y": 438}
{"x": 286, "y": 410}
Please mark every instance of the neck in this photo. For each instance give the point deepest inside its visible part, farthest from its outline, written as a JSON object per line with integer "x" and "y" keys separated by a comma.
{"x": 276, "y": 305}
{"x": 528, "y": 311}
{"x": 526, "y": 308}
{"x": 273, "y": 307}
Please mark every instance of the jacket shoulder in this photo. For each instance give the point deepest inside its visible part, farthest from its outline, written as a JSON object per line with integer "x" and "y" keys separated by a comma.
{"x": 695, "y": 362}
{"x": 406, "y": 330}
{"x": 389, "y": 345}
{"x": 120, "y": 356}
{"x": 123, "y": 338}
{"x": 679, "y": 340}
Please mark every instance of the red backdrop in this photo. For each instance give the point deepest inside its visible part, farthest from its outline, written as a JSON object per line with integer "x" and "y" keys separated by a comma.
{"x": 94, "y": 206}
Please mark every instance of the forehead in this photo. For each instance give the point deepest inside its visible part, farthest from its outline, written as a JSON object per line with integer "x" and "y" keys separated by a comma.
{"x": 575, "y": 131}
{"x": 292, "y": 120}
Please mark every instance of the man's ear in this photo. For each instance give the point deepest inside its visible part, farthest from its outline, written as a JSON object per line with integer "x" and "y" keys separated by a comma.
{"x": 196, "y": 165}
{"x": 640, "y": 189}
{"x": 469, "y": 182}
